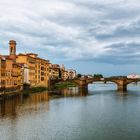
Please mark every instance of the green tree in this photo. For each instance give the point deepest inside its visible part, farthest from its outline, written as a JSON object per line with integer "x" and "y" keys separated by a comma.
{"x": 79, "y": 75}
{"x": 60, "y": 74}
{"x": 98, "y": 76}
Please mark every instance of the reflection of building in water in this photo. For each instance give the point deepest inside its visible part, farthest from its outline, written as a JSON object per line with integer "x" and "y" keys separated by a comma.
{"x": 19, "y": 104}
{"x": 9, "y": 106}
{"x": 38, "y": 98}
{"x": 83, "y": 91}
{"x": 73, "y": 91}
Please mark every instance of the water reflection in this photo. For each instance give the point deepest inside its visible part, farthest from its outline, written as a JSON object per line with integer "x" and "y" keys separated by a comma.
{"x": 104, "y": 115}
{"x": 21, "y": 103}
{"x": 74, "y": 91}
{"x": 8, "y": 106}
{"x": 13, "y": 105}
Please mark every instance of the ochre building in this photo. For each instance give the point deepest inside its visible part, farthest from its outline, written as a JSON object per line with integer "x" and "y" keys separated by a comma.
{"x": 28, "y": 68}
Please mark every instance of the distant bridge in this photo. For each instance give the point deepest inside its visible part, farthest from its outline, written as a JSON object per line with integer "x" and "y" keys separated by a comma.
{"x": 121, "y": 82}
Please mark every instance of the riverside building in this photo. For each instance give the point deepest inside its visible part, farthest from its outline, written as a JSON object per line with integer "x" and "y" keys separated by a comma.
{"x": 10, "y": 72}
{"x": 55, "y": 72}
{"x": 27, "y": 68}
{"x": 36, "y": 70}
{"x": 71, "y": 74}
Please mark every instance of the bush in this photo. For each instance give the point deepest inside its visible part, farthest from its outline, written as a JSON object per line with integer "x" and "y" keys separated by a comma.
{"x": 79, "y": 75}
{"x": 64, "y": 85}
{"x": 34, "y": 90}
{"x": 98, "y": 76}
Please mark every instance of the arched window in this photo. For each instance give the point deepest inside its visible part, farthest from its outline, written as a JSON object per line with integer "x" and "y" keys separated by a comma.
{"x": 11, "y": 50}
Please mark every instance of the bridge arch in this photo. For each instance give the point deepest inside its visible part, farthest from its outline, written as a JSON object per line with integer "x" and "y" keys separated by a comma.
{"x": 83, "y": 82}
{"x": 101, "y": 85}
{"x": 120, "y": 82}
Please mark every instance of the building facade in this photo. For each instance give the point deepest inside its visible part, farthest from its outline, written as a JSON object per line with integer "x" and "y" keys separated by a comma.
{"x": 71, "y": 74}
{"x": 36, "y": 70}
{"x": 41, "y": 72}
{"x": 10, "y": 74}
{"x": 2, "y": 73}
{"x": 17, "y": 70}
{"x": 54, "y": 71}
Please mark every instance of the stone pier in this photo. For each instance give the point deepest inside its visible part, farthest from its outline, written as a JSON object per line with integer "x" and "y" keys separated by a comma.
{"x": 82, "y": 83}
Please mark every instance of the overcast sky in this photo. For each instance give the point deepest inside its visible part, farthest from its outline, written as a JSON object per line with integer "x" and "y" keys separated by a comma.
{"x": 92, "y": 36}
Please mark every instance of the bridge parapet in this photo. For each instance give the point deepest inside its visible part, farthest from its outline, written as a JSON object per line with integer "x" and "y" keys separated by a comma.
{"x": 121, "y": 82}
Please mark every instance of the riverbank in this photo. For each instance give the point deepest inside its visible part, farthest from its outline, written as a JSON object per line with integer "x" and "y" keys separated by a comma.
{"x": 63, "y": 85}
{"x": 23, "y": 92}
{"x": 34, "y": 90}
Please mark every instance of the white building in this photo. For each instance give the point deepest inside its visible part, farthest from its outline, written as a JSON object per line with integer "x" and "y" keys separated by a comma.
{"x": 26, "y": 74}
{"x": 133, "y": 76}
{"x": 71, "y": 74}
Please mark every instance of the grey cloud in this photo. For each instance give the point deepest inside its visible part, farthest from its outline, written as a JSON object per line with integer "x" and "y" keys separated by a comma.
{"x": 123, "y": 53}
{"x": 132, "y": 30}
{"x": 74, "y": 30}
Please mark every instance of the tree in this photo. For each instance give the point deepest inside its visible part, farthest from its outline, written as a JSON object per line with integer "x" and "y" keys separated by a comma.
{"x": 98, "y": 76}
{"x": 60, "y": 74}
{"x": 79, "y": 75}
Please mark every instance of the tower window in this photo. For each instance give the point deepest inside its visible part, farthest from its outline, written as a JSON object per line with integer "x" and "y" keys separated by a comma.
{"x": 11, "y": 50}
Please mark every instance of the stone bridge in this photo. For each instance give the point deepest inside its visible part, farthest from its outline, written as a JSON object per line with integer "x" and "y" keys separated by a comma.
{"x": 83, "y": 82}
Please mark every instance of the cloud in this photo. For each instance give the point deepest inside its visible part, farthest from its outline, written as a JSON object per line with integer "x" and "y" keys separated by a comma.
{"x": 103, "y": 31}
{"x": 123, "y": 53}
{"x": 126, "y": 31}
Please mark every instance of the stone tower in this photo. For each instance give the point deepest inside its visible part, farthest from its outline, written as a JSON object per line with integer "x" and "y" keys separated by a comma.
{"x": 12, "y": 49}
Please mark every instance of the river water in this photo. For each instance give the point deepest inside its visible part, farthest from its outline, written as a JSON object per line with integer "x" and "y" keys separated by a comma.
{"x": 100, "y": 114}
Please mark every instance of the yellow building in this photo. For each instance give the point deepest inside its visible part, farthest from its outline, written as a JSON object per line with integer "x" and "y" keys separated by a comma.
{"x": 10, "y": 71}
{"x": 16, "y": 70}
{"x": 11, "y": 76}
{"x": 64, "y": 73}
{"x": 9, "y": 80}
{"x": 35, "y": 69}
{"x": 54, "y": 72}
{"x": 17, "y": 75}
{"x": 2, "y": 73}
{"x": 30, "y": 63}
{"x": 12, "y": 50}
{"x": 38, "y": 69}
{"x": 41, "y": 72}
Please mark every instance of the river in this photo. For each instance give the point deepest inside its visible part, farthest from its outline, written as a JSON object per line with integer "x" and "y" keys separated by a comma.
{"x": 100, "y": 114}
